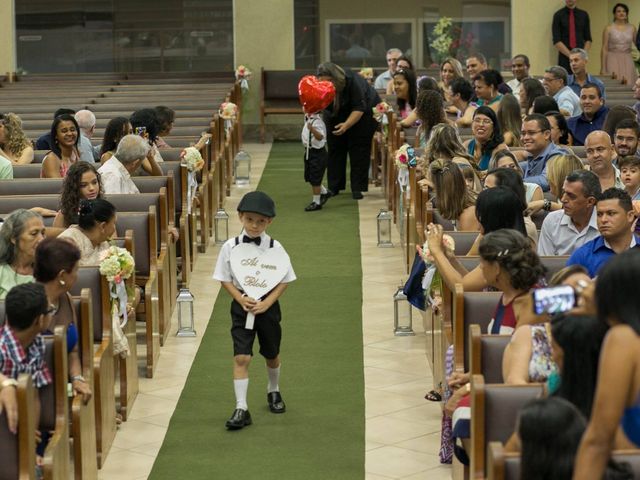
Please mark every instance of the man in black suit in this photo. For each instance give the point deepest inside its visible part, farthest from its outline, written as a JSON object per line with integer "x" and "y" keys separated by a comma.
{"x": 571, "y": 29}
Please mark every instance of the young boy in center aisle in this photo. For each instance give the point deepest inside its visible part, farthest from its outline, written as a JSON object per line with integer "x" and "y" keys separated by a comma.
{"x": 256, "y": 211}
{"x": 314, "y": 139}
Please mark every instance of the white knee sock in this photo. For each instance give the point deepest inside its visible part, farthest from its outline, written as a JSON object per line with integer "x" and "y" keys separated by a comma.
{"x": 323, "y": 189}
{"x": 240, "y": 387}
{"x": 274, "y": 377}
{"x": 316, "y": 199}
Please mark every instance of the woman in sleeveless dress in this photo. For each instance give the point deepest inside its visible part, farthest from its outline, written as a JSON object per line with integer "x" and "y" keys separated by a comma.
{"x": 617, "y": 39}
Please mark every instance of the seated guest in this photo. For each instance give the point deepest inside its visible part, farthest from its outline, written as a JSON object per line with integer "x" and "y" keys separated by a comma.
{"x": 563, "y": 231}
{"x": 560, "y": 134}
{"x": 96, "y": 226}
{"x": 116, "y": 172}
{"x": 559, "y": 169}
{"x": 6, "y": 168}
{"x": 578, "y": 60}
{"x": 510, "y": 120}
{"x": 544, "y": 104}
{"x": 485, "y": 85}
{"x": 555, "y": 83}
{"x": 616, "y": 398}
{"x": 166, "y": 118}
{"x": 594, "y": 112}
{"x": 506, "y": 159}
{"x": 450, "y": 69}
{"x": 87, "y": 123}
{"x": 430, "y": 112}
{"x": 56, "y": 268}
{"x": 615, "y": 115}
{"x": 625, "y": 138}
{"x": 487, "y": 137}
{"x": 520, "y": 69}
{"x": 45, "y": 142}
{"x": 22, "y": 346}
{"x": 616, "y": 218}
{"x": 64, "y": 150}
{"x": 536, "y": 139}
{"x": 630, "y": 175}
{"x": 14, "y": 144}
{"x": 530, "y": 89}
{"x": 425, "y": 84}
{"x": 385, "y": 77}
{"x": 476, "y": 63}
{"x": 20, "y": 234}
{"x": 404, "y": 82}
{"x": 600, "y": 152}
{"x": 455, "y": 201}
{"x": 81, "y": 183}
{"x": 403, "y": 63}
{"x": 460, "y": 93}
{"x": 145, "y": 123}
{"x": 116, "y": 129}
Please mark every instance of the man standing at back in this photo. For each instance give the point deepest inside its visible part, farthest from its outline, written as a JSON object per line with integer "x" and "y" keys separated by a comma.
{"x": 571, "y": 29}
{"x": 393, "y": 54}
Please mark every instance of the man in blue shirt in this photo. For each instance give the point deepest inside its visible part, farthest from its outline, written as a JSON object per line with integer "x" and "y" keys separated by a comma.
{"x": 555, "y": 83}
{"x": 578, "y": 60}
{"x": 536, "y": 140}
{"x": 615, "y": 220}
{"x": 594, "y": 112}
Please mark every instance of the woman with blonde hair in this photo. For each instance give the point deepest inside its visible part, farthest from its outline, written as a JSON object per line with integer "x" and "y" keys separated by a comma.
{"x": 558, "y": 169}
{"x": 454, "y": 200}
{"x": 450, "y": 69}
{"x": 14, "y": 144}
{"x": 510, "y": 120}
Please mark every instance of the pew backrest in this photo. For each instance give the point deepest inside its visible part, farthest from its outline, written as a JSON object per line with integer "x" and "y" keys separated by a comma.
{"x": 486, "y": 352}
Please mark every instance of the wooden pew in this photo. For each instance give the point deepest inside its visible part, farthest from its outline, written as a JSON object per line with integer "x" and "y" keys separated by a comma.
{"x": 54, "y": 407}
{"x": 18, "y": 455}
{"x": 486, "y": 353}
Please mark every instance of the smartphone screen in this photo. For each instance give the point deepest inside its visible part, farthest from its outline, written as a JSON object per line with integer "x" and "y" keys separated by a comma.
{"x": 553, "y": 300}
{"x": 141, "y": 131}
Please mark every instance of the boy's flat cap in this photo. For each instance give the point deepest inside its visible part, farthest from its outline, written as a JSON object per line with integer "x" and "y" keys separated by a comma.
{"x": 258, "y": 202}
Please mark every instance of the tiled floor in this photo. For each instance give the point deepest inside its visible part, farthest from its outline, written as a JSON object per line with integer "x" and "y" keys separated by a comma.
{"x": 402, "y": 429}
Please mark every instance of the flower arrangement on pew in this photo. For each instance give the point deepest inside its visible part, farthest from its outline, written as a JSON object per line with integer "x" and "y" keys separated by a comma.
{"x": 243, "y": 74}
{"x": 431, "y": 276}
{"x": 194, "y": 162}
{"x": 404, "y": 159}
{"x": 228, "y": 112}
{"x": 117, "y": 265}
{"x": 366, "y": 73}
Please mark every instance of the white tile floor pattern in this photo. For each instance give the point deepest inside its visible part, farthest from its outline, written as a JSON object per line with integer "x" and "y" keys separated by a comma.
{"x": 402, "y": 429}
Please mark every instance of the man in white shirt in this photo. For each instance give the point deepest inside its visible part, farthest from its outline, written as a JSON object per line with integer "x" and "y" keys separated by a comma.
{"x": 393, "y": 54}
{"x": 600, "y": 153}
{"x": 555, "y": 83}
{"x": 87, "y": 123}
{"x": 115, "y": 173}
{"x": 563, "y": 231}
{"x": 520, "y": 69}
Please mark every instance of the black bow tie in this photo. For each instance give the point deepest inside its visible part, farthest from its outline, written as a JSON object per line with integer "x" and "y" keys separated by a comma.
{"x": 247, "y": 239}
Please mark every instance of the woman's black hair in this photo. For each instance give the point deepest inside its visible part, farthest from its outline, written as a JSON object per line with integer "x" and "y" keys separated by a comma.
{"x": 490, "y": 77}
{"x": 147, "y": 118}
{"x": 617, "y": 290}
{"x": 512, "y": 250}
{"x": 429, "y": 83}
{"x": 624, "y": 6}
{"x": 550, "y": 430}
{"x": 562, "y": 125}
{"x": 165, "y": 116}
{"x": 496, "y": 137}
{"x": 510, "y": 178}
{"x": 533, "y": 89}
{"x": 498, "y": 208}
{"x": 410, "y": 77}
{"x": 580, "y": 338}
{"x": 544, "y": 104}
{"x": 406, "y": 59}
{"x": 113, "y": 133}
{"x": 91, "y": 212}
{"x": 54, "y": 255}
{"x": 65, "y": 117}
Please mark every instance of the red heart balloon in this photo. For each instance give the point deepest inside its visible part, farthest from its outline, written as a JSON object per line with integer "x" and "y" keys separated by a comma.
{"x": 315, "y": 95}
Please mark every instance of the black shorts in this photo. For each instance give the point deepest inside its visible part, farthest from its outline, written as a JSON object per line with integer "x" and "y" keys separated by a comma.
{"x": 315, "y": 166}
{"x": 266, "y": 326}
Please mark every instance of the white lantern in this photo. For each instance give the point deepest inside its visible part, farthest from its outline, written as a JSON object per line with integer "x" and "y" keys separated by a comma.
{"x": 221, "y": 224}
{"x": 242, "y": 167}
{"x": 185, "y": 313}
{"x": 402, "y": 314}
{"x": 384, "y": 219}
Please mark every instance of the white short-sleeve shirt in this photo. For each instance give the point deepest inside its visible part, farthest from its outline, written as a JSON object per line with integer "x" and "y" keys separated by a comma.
{"x": 115, "y": 178}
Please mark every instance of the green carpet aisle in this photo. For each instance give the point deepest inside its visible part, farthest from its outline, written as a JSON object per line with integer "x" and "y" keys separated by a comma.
{"x": 321, "y": 436}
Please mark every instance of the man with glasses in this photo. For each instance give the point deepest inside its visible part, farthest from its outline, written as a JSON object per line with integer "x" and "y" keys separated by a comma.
{"x": 555, "y": 83}
{"x": 536, "y": 140}
{"x": 393, "y": 54}
{"x": 625, "y": 138}
{"x": 563, "y": 231}
{"x": 600, "y": 159}
{"x": 520, "y": 69}
{"x": 594, "y": 112}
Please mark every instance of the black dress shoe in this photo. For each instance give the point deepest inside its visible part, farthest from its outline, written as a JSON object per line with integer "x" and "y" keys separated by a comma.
{"x": 312, "y": 207}
{"x": 325, "y": 196}
{"x": 239, "y": 419}
{"x": 357, "y": 195}
{"x": 276, "y": 404}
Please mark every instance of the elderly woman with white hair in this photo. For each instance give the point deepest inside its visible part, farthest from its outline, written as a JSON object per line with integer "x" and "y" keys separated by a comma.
{"x": 116, "y": 172}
